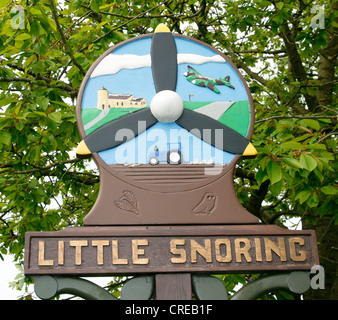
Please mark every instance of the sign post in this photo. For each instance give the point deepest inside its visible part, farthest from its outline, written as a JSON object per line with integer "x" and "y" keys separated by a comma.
{"x": 166, "y": 118}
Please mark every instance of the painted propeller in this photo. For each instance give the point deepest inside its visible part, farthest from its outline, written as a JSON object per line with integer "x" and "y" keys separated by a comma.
{"x": 166, "y": 106}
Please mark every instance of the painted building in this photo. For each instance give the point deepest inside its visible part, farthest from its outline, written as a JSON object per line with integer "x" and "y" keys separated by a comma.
{"x": 106, "y": 100}
{"x": 102, "y": 98}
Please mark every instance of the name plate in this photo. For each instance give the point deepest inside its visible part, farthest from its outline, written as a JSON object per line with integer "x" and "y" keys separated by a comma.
{"x": 160, "y": 249}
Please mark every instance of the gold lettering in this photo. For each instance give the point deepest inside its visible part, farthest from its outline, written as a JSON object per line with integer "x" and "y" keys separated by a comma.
{"x": 242, "y": 250}
{"x": 258, "y": 249}
{"x": 41, "y": 256}
{"x": 278, "y": 249}
{"x": 78, "y": 244}
{"x": 226, "y": 243}
{"x": 205, "y": 251}
{"x": 100, "y": 244}
{"x": 61, "y": 252}
{"x": 181, "y": 252}
{"x": 115, "y": 253}
{"x": 136, "y": 251}
{"x": 293, "y": 254}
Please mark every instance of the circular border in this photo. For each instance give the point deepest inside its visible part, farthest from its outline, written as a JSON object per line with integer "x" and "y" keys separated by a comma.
{"x": 114, "y": 169}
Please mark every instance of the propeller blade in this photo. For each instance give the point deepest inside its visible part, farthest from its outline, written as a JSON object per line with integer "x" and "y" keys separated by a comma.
{"x": 215, "y": 133}
{"x": 116, "y": 132}
{"x": 163, "y": 59}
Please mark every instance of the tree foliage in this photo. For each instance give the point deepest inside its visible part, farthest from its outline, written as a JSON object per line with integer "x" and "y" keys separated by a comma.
{"x": 287, "y": 51}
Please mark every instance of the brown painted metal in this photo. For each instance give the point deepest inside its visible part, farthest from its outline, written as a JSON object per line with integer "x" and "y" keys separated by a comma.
{"x": 154, "y": 249}
{"x": 167, "y": 195}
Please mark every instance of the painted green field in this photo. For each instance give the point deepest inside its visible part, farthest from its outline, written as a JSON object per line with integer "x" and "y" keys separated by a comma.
{"x": 236, "y": 117}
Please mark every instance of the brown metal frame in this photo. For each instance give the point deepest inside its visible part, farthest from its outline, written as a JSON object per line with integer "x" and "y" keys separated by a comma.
{"x": 180, "y": 232}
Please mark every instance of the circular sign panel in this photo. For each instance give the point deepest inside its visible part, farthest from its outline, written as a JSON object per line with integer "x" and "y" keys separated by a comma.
{"x": 162, "y": 94}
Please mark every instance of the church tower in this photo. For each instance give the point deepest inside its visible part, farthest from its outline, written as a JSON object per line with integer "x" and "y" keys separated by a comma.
{"x": 102, "y": 98}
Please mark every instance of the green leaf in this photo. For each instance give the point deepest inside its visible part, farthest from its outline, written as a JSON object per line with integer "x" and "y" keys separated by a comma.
{"x": 5, "y": 122}
{"x": 329, "y": 190}
{"x": 16, "y": 248}
{"x": 95, "y": 5}
{"x": 303, "y": 196}
{"x": 293, "y": 162}
{"x": 318, "y": 146}
{"x": 274, "y": 172}
{"x": 42, "y": 102}
{"x": 308, "y": 162}
{"x": 276, "y": 188}
{"x": 291, "y": 145}
{"x": 260, "y": 175}
{"x": 19, "y": 125}
{"x": 6, "y": 101}
{"x": 35, "y": 28}
{"x": 331, "y": 143}
{"x": 23, "y": 36}
{"x": 4, "y": 3}
{"x": 279, "y": 5}
{"x": 314, "y": 124}
{"x": 313, "y": 201}
{"x": 55, "y": 116}
{"x": 5, "y": 138}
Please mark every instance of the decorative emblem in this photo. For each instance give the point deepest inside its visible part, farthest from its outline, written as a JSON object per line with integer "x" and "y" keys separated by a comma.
{"x": 128, "y": 203}
{"x": 207, "y": 205}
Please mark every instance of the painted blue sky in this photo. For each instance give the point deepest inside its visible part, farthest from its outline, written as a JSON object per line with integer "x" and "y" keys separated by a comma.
{"x": 139, "y": 82}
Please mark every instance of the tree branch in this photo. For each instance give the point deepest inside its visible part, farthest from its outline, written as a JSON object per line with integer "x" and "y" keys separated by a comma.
{"x": 327, "y": 136}
{"x": 38, "y": 77}
{"x": 257, "y": 198}
{"x": 296, "y": 117}
{"x": 241, "y": 173}
{"x": 297, "y": 68}
{"x": 48, "y": 167}
{"x": 16, "y": 80}
{"x": 66, "y": 44}
{"x": 242, "y": 65}
{"x": 262, "y": 51}
{"x": 122, "y": 25}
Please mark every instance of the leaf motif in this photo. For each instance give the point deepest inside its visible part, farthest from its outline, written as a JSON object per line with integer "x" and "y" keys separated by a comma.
{"x": 131, "y": 198}
{"x": 129, "y": 203}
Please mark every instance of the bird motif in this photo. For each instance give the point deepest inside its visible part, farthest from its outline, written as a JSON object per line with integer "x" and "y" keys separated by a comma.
{"x": 199, "y": 80}
{"x": 207, "y": 205}
{"x": 128, "y": 203}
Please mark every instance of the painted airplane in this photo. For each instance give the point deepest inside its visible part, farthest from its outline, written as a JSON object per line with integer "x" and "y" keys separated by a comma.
{"x": 196, "y": 78}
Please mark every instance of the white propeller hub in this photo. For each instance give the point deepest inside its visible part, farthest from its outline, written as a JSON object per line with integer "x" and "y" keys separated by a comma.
{"x": 166, "y": 106}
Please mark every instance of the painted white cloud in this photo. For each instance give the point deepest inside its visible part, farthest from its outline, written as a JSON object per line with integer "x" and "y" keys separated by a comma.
{"x": 197, "y": 59}
{"x": 113, "y": 63}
